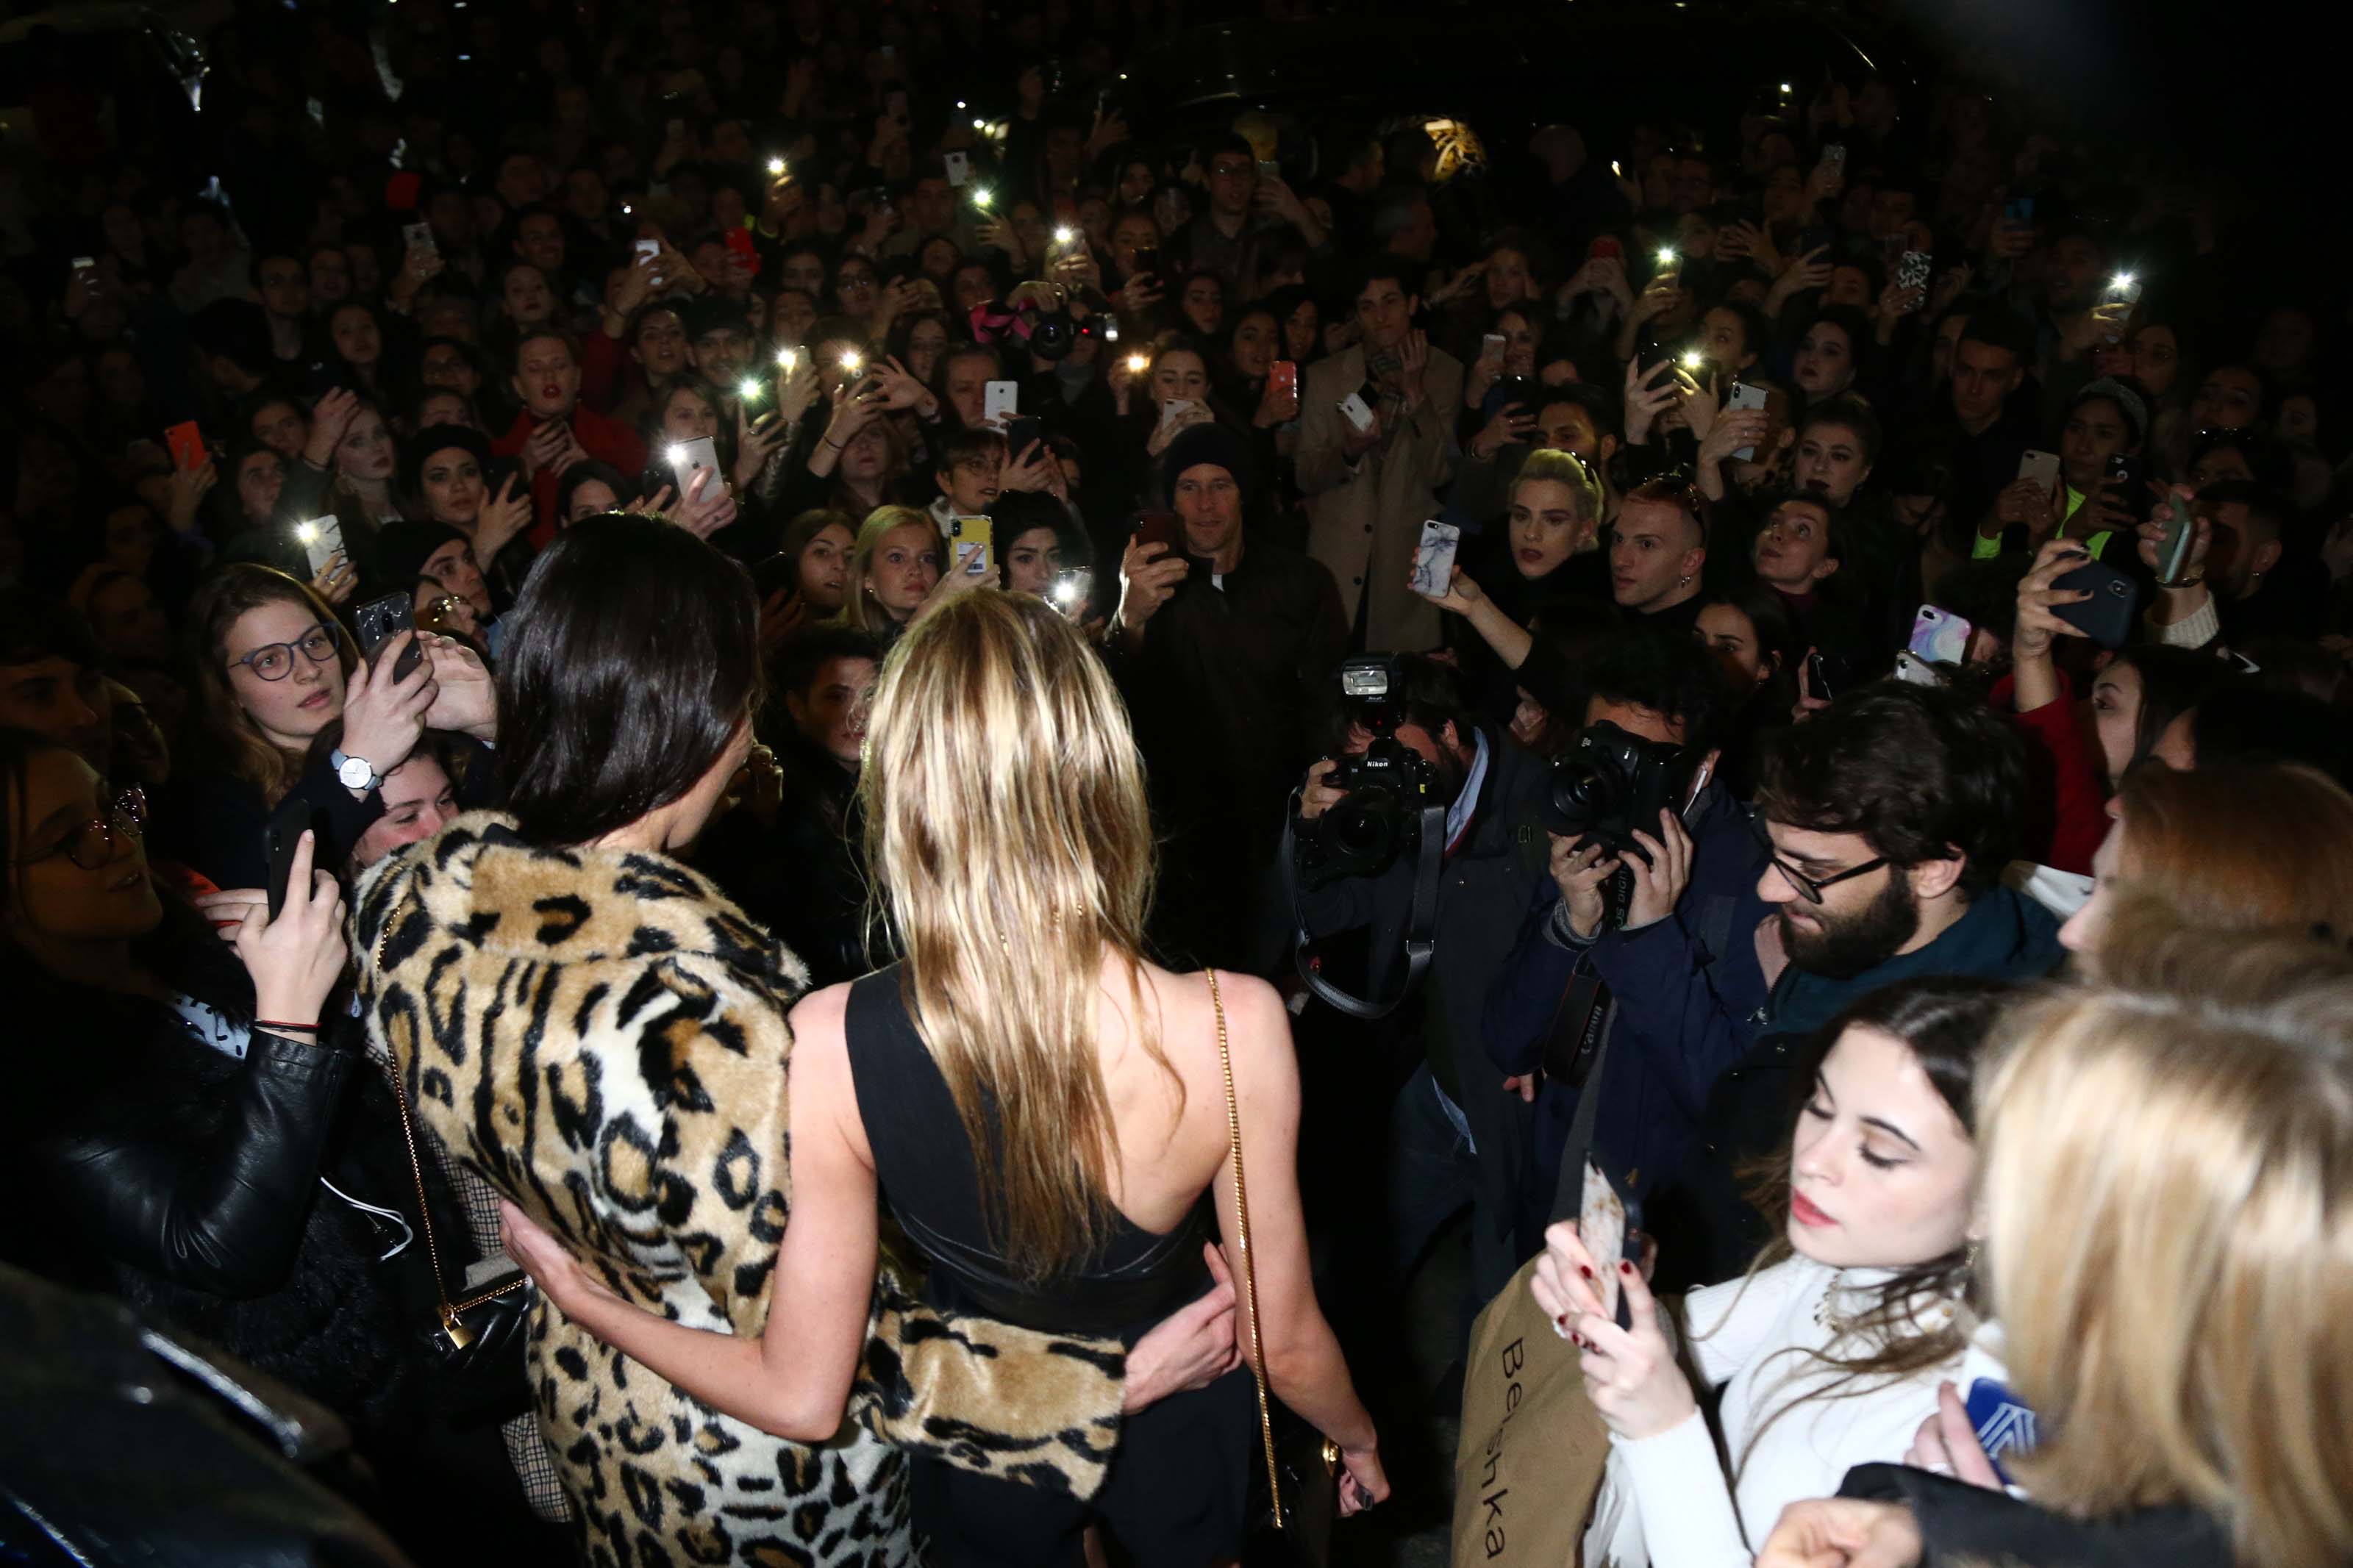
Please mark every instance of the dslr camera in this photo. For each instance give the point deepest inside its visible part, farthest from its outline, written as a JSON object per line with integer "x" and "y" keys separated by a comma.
{"x": 1610, "y": 783}
{"x": 1389, "y": 784}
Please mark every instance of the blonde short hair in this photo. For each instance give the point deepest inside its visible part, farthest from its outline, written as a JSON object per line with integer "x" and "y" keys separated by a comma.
{"x": 1551, "y": 466}
{"x": 2169, "y": 1198}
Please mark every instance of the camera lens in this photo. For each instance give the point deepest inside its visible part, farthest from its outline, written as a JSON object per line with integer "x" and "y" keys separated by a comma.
{"x": 1364, "y": 827}
{"x": 1053, "y": 336}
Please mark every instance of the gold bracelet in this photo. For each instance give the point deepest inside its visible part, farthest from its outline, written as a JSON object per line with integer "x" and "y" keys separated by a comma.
{"x": 2198, "y": 576}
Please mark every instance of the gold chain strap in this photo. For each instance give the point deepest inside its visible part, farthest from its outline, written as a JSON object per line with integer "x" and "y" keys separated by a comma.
{"x": 1250, "y": 1268}
{"x": 459, "y": 1334}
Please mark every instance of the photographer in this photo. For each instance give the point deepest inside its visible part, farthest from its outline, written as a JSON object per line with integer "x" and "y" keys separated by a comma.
{"x": 1666, "y": 990}
{"x": 1889, "y": 815}
{"x": 1456, "y": 1141}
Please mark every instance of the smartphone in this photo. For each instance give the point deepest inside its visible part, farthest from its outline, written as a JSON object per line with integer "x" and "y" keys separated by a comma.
{"x": 418, "y": 237}
{"x": 1110, "y": 327}
{"x": 1285, "y": 376}
{"x": 1000, "y": 401}
{"x": 2105, "y": 617}
{"x": 647, "y": 249}
{"x": 1700, "y": 779}
{"x": 1940, "y": 637}
{"x": 959, "y": 168}
{"x": 1819, "y": 238}
{"x": 1912, "y": 269}
{"x": 2043, "y": 468}
{"x": 1267, "y": 169}
{"x": 1356, "y": 411}
{"x": 84, "y": 264}
{"x": 1433, "y": 560}
{"x": 187, "y": 445}
{"x": 1834, "y": 156}
{"x": 1825, "y": 676}
{"x": 1020, "y": 435}
{"x": 379, "y": 621}
{"x": 1160, "y": 528}
{"x": 1744, "y": 395}
{"x": 1608, "y": 1223}
{"x": 322, "y": 541}
{"x": 1148, "y": 260}
{"x": 1605, "y": 248}
{"x": 739, "y": 240}
{"x": 2004, "y": 1423}
{"x": 1492, "y": 344}
{"x": 969, "y": 540}
{"x": 1913, "y": 671}
{"x": 1172, "y": 409}
{"x": 1073, "y": 587}
{"x": 2173, "y": 546}
{"x": 2123, "y": 288}
{"x": 281, "y": 836}
{"x": 2018, "y": 209}
{"x": 687, "y": 457}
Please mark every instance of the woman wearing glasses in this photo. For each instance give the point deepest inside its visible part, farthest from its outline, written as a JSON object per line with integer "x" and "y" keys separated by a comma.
{"x": 199, "y": 1137}
{"x": 273, "y": 668}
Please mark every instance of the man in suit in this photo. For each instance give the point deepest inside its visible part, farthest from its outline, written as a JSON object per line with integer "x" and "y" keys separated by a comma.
{"x": 1369, "y": 488}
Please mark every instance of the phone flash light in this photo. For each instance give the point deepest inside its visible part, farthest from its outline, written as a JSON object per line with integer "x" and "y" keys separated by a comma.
{"x": 851, "y": 358}
{"x": 2122, "y": 280}
{"x": 1667, "y": 256}
{"x": 1139, "y": 364}
{"x": 750, "y": 387}
{"x": 1615, "y": 170}
{"x": 677, "y": 456}
{"x": 983, "y": 196}
{"x": 1692, "y": 359}
{"x": 787, "y": 359}
{"x": 1066, "y": 593}
{"x": 1065, "y": 236}
{"x": 980, "y": 125}
{"x": 776, "y": 166}
{"x": 307, "y": 532}
{"x": 959, "y": 103}
{"x": 1785, "y": 86}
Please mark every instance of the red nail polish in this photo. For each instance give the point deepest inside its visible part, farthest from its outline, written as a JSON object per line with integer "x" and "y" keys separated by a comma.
{"x": 1561, "y": 1318}
{"x": 1625, "y": 1268}
{"x": 1581, "y": 1269}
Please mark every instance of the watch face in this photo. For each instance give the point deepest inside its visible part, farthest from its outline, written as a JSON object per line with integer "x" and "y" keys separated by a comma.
{"x": 355, "y": 773}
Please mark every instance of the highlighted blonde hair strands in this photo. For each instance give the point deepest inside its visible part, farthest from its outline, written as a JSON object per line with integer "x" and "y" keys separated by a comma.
{"x": 2168, "y": 1197}
{"x": 1006, "y": 828}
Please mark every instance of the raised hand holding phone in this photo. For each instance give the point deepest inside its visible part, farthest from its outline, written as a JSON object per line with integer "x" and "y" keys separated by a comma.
{"x": 296, "y": 957}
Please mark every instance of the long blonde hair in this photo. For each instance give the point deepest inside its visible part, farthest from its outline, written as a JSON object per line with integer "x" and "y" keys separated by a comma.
{"x": 1006, "y": 826}
{"x": 857, "y": 610}
{"x": 2169, "y": 1194}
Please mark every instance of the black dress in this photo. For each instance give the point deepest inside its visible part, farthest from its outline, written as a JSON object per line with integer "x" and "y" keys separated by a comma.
{"x": 1175, "y": 1495}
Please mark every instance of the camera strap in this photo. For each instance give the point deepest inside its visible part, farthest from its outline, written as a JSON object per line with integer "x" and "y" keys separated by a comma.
{"x": 1421, "y": 920}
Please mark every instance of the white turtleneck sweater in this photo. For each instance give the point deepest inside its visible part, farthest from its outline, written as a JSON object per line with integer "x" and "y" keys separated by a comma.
{"x": 1667, "y": 1501}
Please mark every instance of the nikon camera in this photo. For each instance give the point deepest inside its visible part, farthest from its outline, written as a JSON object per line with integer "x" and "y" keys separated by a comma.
{"x": 1388, "y": 783}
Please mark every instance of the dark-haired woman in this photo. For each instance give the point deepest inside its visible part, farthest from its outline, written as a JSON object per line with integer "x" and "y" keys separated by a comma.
{"x": 1831, "y": 1351}
{"x": 198, "y": 1134}
{"x": 631, "y": 679}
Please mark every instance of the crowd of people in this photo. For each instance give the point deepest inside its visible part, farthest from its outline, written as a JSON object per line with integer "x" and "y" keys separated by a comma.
{"x": 1792, "y": 663}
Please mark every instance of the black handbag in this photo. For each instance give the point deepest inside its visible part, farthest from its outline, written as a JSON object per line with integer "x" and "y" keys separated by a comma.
{"x": 1293, "y": 1509}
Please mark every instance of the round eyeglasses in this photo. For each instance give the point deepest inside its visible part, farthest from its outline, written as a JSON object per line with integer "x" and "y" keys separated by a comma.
{"x": 90, "y": 845}
{"x": 274, "y": 661}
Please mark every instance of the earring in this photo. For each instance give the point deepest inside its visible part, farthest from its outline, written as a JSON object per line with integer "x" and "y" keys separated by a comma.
{"x": 1683, "y": 580}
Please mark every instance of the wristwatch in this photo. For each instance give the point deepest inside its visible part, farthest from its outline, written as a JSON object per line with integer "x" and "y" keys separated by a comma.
{"x": 356, "y": 773}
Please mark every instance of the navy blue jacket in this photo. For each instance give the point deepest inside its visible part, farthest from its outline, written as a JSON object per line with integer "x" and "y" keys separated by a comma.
{"x": 1754, "y": 1102}
{"x": 1687, "y": 990}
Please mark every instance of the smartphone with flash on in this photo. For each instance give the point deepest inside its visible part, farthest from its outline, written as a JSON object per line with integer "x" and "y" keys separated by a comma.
{"x": 999, "y": 401}
{"x": 689, "y": 457}
{"x": 321, "y": 538}
{"x": 968, "y": 545}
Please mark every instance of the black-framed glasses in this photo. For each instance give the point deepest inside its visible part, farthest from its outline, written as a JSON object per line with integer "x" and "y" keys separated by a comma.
{"x": 1808, "y": 887}
{"x": 90, "y": 845}
{"x": 274, "y": 661}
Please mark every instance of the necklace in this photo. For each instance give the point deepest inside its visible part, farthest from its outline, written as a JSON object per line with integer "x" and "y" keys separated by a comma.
{"x": 1828, "y": 1318}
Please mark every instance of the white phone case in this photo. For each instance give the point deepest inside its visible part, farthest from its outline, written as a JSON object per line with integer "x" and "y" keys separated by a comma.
{"x": 1353, "y": 409}
{"x": 418, "y": 236}
{"x": 959, "y": 167}
{"x": 2043, "y": 468}
{"x": 687, "y": 457}
{"x": 322, "y": 541}
{"x": 1433, "y": 560}
{"x": 1746, "y": 396}
{"x": 1000, "y": 401}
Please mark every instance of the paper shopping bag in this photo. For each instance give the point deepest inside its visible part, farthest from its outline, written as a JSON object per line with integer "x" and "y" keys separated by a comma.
{"x": 1533, "y": 1448}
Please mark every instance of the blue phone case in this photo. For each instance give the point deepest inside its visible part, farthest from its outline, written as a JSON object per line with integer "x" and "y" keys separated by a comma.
{"x": 2004, "y": 1424}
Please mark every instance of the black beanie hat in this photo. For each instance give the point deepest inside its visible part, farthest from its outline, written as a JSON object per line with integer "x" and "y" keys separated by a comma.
{"x": 441, "y": 439}
{"x": 403, "y": 548}
{"x": 1209, "y": 442}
